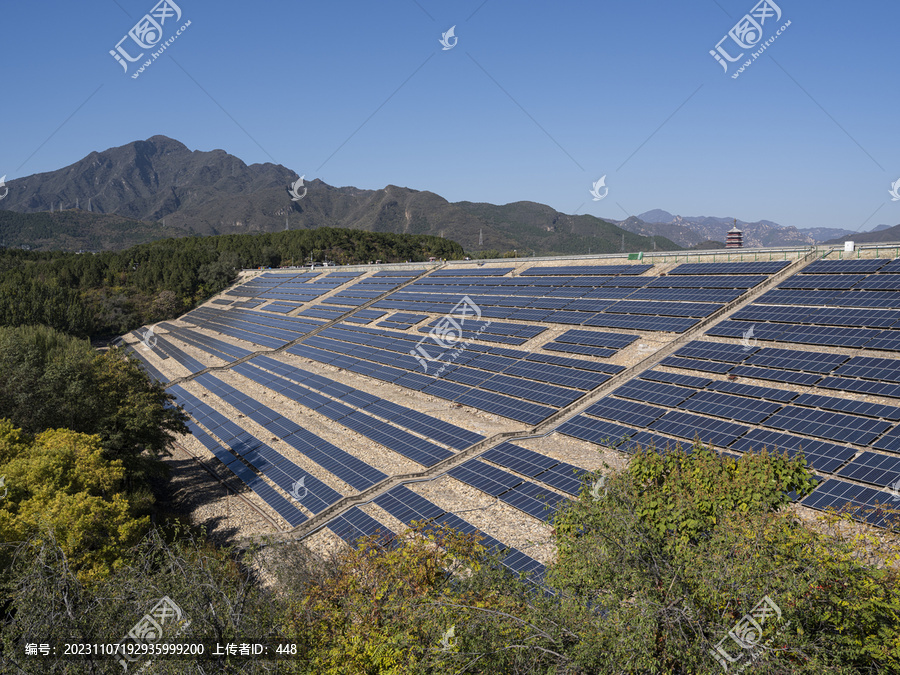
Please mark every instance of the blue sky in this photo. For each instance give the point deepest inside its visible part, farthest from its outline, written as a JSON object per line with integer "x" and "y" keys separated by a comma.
{"x": 535, "y": 101}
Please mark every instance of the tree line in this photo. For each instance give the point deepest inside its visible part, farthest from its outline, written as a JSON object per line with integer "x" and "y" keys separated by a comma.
{"x": 110, "y": 293}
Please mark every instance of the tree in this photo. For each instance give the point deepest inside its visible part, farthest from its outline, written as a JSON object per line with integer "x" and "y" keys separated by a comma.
{"x": 49, "y": 380}
{"x": 683, "y": 545}
{"x": 59, "y": 482}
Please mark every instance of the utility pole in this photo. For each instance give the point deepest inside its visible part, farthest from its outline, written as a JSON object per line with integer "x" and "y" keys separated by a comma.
{"x": 623, "y": 242}
{"x": 481, "y": 237}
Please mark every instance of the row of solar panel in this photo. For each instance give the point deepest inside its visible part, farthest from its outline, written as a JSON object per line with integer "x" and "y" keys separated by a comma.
{"x": 409, "y": 507}
{"x": 437, "y": 430}
{"x": 338, "y": 462}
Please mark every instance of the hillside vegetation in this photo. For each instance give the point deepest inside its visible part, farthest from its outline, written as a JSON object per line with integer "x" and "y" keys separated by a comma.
{"x": 110, "y": 293}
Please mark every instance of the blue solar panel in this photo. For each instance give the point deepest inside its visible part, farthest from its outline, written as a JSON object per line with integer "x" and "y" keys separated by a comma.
{"x": 518, "y": 459}
{"x": 820, "y": 455}
{"x": 353, "y": 524}
{"x": 689, "y": 426}
{"x": 484, "y": 477}
{"x": 629, "y": 412}
{"x": 875, "y": 469}
{"x": 831, "y": 425}
{"x": 875, "y": 507}
{"x": 660, "y": 393}
{"x": 534, "y": 500}
{"x": 592, "y": 430}
{"x": 730, "y": 407}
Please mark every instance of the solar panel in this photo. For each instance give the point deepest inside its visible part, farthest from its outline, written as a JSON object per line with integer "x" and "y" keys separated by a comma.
{"x": 875, "y": 469}
{"x": 564, "y": 477}
{"x": 753, "y": 391}
{"x": 890, "y": 441}
{"x": 871, "y": 368}
{"x": 824, "y": 335}
{"x": 820, "y": 455}
{"x": 660, "y": 393}
{"x": 875, "y": 507}
{"x": 830, "y": 425}
{"x": 676, "y": 378}
{"x": 592, "y": 430}
{"x": 536, "y": 501}
{"x": 629, "y": 412}
{"x": 748, "y": 330}
{"x": 862, "y": 386}
{"x": 704, "y": 281}
{"x": 822, "y": 281}
{"x": 730, "y": 407}
{"x": 484, "y": 477}
{"x": 696, "y": 364}
{"x": 714, "y": 351}
{"x": 775, "y": 375}
{"x": 354, "y": 524}
{"x": 582, "y": 270}
{"x": 857, "y": 266}
{"x": 597, "y": 338}
{"x": 597, "y": 352}
{"x": 690, "y": 426}
{"x": 731, "y": 268}
{"x": 792, "y": 359}
{"x": 849, "y": 406}
{"x": 518, "y": 459}
{"x": 406, "y": 506}
{"x": 893, "y": 267}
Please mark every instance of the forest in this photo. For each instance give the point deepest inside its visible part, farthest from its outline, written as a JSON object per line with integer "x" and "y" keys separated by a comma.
{"x": 110, "y": 293}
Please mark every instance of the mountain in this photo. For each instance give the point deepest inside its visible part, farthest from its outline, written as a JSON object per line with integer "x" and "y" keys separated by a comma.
{"x": 199, "y": 192}
{"x": 879, "y": 234}
{"x": 691, "y": 230}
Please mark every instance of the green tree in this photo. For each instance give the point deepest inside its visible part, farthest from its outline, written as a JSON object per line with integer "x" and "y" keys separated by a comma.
{"x": 49, "y": 380}
{"x": 60, "y": 482}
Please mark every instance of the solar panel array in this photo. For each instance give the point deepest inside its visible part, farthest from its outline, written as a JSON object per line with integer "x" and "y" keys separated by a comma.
{"x": 839, "y": 303}
{"x": 744, "y": 417}
{"x": 409, "y": 507}
{"x": 853, "y": 303}
{"x": 604, "y": 296}
{"x": 512, "y": 383}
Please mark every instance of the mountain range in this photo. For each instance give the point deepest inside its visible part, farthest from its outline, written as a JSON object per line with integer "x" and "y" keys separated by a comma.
{"x": 158, "y": 187}
{"x": 688, "y": 231}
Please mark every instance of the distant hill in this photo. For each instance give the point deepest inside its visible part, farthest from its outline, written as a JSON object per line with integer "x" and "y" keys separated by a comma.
{"x": 708, "y": 245}
{"x": 886, "y": 234}
{"x": 194, "y": 192}
{"x": 691, "y": 230}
